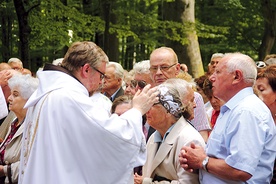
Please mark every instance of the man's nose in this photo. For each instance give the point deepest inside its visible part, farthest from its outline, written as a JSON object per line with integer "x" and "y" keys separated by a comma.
{"x": 158, "y": 70}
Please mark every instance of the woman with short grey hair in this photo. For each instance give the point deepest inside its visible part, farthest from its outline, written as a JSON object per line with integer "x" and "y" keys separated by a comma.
{"x": 22, "y": 87}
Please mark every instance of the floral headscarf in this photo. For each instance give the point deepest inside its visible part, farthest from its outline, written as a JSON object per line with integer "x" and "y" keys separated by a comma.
{"x": 168, "y": 102}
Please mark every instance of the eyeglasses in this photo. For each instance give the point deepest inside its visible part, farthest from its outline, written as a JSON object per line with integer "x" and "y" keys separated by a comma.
{"x": 102, "y": 74}
{"x": 133, "y": 83}
{"x": 141, "y": 84}
{"x": 260, "y": 64}
{"x": 162, "y": 68}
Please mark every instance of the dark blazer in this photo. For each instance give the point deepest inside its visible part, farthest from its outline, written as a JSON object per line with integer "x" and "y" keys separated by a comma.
{"x": 150, "y": 131}
{"x": 119, "y": 93}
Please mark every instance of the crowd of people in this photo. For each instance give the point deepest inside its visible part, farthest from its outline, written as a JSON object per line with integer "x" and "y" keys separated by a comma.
{"x": 85, "y": 119}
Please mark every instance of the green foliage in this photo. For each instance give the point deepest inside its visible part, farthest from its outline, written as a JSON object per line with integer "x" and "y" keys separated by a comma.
{"x": 147, "y": 29}
{"x": 51, "y": 22}
{"x": 221, "y": 25}
{"x": 230, "y": 4}
{"x": 234, "y": 25}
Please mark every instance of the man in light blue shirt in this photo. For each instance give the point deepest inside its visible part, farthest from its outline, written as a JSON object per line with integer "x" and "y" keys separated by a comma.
{"x": 242, "y": 146}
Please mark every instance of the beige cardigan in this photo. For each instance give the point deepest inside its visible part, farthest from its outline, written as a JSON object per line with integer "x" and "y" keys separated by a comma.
{"x": 165, "y": 161}
{"x": 4, "y": 128}
{"x": 12, "y": 153}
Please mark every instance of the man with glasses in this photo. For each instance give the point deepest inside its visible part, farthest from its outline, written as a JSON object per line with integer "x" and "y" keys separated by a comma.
{"x": 164, "y": 65}
{"x": 114, "y": 76}
{"x": 68, "y": 139}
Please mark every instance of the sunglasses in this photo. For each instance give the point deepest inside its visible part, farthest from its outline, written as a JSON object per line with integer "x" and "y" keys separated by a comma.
{"x": 140, "y": 83}
{"x": 260, "y": 64}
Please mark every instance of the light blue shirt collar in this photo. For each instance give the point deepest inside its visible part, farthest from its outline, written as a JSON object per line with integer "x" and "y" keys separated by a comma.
{"x": 158, "y": 137}
{"x": 233, "y": 102}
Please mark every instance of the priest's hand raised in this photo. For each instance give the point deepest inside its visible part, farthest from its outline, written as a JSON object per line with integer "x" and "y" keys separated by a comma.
{"x": 144, "y": 99}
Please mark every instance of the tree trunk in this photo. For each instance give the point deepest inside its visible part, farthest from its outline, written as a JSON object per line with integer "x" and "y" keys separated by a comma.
{"x": 183, "y": 11}
{"x": 192, "y": 49}
{"x": 87, "y": 7}
{"x": 270, "y": 28}
{"x": 111, "y": 42}
{"x": 6, "y": 35}
{"x": 129, "y": 55}
{"x": 24, "y": 32}
{"x": 113, "y": 47}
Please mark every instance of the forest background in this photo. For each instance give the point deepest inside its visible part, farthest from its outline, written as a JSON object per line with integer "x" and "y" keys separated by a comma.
{"x": 39, "y": 31}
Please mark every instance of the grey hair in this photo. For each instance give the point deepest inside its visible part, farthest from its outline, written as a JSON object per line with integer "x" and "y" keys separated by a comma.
{"x": 217, "y": 55}
{"x": 142, "y": 67}
{"x": 25, "y": 83}
{"x": 16, "y": 60}
{"x": 244, "y": 63}
{"x": 181, "y": 86}
{"x": 119, "y": 71}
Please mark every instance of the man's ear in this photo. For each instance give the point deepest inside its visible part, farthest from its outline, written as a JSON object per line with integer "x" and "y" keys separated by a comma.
{"x": 238, "y": 75}
{"x": 177, "y": 68}
{"x": 85, "y": 69}
{"x": 119, "y": 80}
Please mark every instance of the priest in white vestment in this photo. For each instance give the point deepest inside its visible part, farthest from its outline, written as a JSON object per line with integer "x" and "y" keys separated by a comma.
{"x": 67, "y": 139}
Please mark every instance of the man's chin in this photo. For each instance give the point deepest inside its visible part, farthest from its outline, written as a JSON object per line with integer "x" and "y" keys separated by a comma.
{"x": 157, "y": 82}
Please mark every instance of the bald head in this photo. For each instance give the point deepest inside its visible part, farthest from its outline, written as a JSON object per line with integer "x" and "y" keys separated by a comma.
{"x": 4, "y": 66}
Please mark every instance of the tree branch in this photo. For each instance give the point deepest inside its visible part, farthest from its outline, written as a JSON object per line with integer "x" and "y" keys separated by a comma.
{"x": 33, "y": 7}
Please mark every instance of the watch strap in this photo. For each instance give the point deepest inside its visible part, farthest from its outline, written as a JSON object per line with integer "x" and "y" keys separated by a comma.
{"x": 205, "y": 163}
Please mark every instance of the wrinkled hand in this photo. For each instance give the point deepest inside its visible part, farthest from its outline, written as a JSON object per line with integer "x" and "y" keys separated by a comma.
{"x": 143, "y": 100}
{"x": 138, "y": 179}
{"x": 191, "y": 158}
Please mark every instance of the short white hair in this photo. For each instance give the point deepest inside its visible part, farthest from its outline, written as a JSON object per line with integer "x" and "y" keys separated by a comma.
{"x": 16, "y": 60}
{"x": 142, "y": 67}
{"x": 119, "y": 70}
{"x": 244, "y": 63}
{"x": 217, "y": 55}
{"x": 25, "y": 83}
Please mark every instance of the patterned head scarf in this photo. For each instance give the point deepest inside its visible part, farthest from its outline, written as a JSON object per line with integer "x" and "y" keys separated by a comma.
{"x": 168, "y": 102}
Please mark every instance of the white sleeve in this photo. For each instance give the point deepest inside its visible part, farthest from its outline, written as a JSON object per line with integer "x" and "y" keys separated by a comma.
{"x": 3, "y": 105}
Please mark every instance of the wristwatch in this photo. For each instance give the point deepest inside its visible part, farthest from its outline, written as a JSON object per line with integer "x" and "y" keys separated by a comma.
{"x": 204, "y": 163}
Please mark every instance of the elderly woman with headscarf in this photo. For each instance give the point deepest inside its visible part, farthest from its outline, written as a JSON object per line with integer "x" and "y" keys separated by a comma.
{"x": 22, "y": 87}
{"x": 172, "y": 132}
